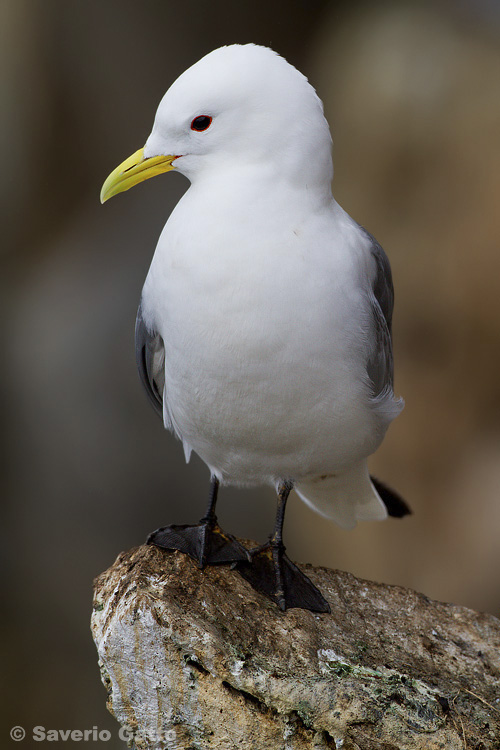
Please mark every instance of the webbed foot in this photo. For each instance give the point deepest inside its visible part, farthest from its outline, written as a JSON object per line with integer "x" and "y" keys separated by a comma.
{"x": 272, "y": 573}
{"x": 205, "y": 542}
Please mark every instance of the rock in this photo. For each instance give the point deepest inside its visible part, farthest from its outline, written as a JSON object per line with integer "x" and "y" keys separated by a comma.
{"x": 198, "y": 659}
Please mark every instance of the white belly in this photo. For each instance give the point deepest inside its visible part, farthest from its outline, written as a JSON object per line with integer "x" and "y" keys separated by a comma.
{"x": 264, "y": 361}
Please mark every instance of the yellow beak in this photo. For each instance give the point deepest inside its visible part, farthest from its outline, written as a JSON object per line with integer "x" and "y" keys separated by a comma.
{"x": 133, "y": 170}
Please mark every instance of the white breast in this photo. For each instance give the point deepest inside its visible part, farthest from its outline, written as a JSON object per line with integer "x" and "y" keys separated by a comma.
{"x": 264, "y": 361}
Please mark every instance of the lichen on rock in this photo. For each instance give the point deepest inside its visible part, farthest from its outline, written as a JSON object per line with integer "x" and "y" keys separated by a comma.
{"x": 198, "y": 659}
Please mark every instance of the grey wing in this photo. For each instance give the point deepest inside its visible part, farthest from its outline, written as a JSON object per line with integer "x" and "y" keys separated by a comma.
{"x": 150, "y": 358}
{"x": 380, "y": 365}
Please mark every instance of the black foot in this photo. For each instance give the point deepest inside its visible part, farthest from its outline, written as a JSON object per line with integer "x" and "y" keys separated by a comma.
{"x": 205, "y": 542}
{"x": 272, "y": 573}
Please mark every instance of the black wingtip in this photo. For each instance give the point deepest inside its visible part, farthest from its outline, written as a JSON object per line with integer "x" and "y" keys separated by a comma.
{"x": 396, "y": 506}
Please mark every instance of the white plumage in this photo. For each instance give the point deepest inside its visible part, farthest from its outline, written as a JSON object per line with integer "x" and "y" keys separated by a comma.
{"x": 266, "y": 309}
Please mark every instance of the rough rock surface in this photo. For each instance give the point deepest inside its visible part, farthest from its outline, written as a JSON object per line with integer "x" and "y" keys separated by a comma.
{"x": 197, "y": 659}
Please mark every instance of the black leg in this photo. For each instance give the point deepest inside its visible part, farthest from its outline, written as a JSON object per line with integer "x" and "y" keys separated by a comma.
{"x": 205, "y": 541}
{"x": 272, "y": 573}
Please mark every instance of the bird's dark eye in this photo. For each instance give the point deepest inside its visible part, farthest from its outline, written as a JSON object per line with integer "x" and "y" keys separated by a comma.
{"x": 202, "y": 122}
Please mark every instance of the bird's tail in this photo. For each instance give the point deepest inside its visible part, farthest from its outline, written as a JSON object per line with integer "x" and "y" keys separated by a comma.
{"x": 350, "y": 496}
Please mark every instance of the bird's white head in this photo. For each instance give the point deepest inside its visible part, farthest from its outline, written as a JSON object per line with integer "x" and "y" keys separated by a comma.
{"x": 241, "y": 105}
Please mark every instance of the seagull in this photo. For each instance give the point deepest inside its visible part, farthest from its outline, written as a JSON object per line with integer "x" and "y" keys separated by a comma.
{"x": 263, "y": 335}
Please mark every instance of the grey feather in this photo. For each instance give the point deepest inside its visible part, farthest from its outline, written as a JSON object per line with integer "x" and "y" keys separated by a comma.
{"x": 380, "y": 365}
{"x": 150, "y": 358}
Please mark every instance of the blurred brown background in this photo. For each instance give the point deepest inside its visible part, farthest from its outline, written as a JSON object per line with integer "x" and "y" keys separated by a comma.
{"x": 412, "y": 93}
